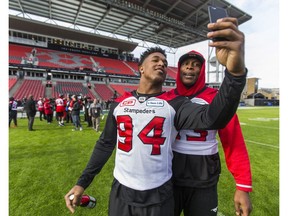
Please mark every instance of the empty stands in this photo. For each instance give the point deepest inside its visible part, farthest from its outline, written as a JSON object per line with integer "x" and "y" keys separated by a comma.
{"x": 133, "y": 66}
{"x": 103, "y": 91}
{"x": 121, "y": 88}
{"x": 71, "y": 88}
{"x": 12, "y": 82}
{"x": 113, "y": 66}
{"x": 66, "y": 60}
{"x": 18, "y": 54}
{"x": 49, "y": 58}
{"x": 171, "y": 72}
{"x": 29, "y": 87}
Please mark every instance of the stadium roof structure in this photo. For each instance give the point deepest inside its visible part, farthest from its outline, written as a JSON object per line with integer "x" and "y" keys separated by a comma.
{"x": 170, "y": 23}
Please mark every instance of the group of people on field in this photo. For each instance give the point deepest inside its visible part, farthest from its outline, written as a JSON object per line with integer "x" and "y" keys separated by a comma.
{"x": 66, "y": 109}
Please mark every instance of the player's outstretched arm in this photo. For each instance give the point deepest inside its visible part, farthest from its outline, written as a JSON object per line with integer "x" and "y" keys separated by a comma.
{"x": 229, "y": 52}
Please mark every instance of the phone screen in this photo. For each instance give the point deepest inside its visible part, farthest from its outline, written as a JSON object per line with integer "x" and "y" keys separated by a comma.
{"x": 216, "y": 13}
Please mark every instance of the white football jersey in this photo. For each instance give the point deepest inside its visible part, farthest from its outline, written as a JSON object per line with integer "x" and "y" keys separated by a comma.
{"x": 145, "y": 131}
{"x": 196, "y": 142}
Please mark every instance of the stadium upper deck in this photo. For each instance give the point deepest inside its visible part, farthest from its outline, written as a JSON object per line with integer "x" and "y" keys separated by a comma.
{"x": 169, "y": 23}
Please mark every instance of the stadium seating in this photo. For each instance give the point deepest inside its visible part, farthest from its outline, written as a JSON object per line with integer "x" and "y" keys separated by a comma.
{"x": 29, "y": 87}
{"x": 113, "y": 66}
{"x": 12, "y": 82}
{"x": 66, "y": 60}
{"x": 121, "y": 88}
{"x": 133, "y": 66}
{"x": 71, "y": 88}
{"x": 58, "y": 59}
{"x": 49, "y": 58}
{"x": 171, "y": 72}
{"x": 103, "y": 91}
{"x": 18, "y": 52}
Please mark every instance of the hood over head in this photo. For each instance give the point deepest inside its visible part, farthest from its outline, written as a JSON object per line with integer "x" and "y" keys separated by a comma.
{"x": 200, "y": 83}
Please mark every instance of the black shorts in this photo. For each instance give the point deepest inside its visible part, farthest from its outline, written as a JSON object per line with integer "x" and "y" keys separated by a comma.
{"x": 125, "y": 201}
{"x": 59, "y": 114}
{"x": 196, "y": 201}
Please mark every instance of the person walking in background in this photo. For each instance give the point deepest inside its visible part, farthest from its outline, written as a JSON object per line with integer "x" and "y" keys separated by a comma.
{"x": 48, "y": 110}
{"x": 196, "y": 161}
{"x": 95, "y": 112}
{"x": 85, "y": 108}
{"x": 23, "y": 102}
{"x": 115, "y": 95}
{"x": 13, "y": 105}
{"x": 142, "y": 125}
{"x": 40, "y": 106}
{"x": 67, "y": 110}
{"x": 75, "y": 108}
{"x": 30, "y": 107}
{"x": 64, "y": 110}
{"x": 87, "y": 105}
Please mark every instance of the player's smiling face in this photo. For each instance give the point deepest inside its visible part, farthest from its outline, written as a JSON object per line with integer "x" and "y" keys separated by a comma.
{"x": 154, "y": 67}
{"x": 190, "y": 71}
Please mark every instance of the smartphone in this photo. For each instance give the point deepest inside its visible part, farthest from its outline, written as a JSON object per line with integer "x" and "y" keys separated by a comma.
{"x": 216, "y": 13}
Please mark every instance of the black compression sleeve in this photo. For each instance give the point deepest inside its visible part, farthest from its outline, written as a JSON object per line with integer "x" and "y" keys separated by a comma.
{"x": 102, "y": 151}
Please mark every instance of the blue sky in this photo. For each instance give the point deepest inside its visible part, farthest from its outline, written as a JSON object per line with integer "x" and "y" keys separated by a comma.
{"x": 262, "y": 40}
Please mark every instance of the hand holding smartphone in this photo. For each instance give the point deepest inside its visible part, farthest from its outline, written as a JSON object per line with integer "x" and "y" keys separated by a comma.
{"x": 216, "y": 13}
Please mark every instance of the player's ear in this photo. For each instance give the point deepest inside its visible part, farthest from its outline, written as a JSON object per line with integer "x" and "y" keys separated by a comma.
{"x": 141, "y": 69}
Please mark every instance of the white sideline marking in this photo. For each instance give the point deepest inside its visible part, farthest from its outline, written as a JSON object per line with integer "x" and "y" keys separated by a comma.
{"x": 263, "y": 144}
{"x": 257, "y": 107}
{"x": 263, "y": 119}
{"x": 274, "y": 128}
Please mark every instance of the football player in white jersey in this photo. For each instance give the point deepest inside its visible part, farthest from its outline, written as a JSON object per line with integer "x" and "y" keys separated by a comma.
{"x": 196, "y": 164}
{"x": 60, "y": 109}
{"x": 143, "y": 124}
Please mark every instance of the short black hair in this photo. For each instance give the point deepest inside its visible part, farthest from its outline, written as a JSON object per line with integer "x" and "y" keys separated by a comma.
{"x": 149, "y": 51}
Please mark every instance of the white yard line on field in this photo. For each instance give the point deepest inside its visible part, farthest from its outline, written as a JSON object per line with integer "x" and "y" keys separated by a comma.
{"x": 263, "y": 144}
{"x": 245, "y": 124}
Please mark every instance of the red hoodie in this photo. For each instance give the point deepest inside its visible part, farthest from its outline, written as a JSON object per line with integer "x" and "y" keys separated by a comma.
{"x": 236, "y": 155}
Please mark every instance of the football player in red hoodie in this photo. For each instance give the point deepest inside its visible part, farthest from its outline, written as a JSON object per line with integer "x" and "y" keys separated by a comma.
{"x": 196, "y": 162}
{"x": 48, "y": 110}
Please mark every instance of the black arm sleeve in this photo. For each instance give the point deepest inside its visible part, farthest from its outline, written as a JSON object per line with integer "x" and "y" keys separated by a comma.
{"x": 218, "y": 113}
{"x": 102, "y": 150}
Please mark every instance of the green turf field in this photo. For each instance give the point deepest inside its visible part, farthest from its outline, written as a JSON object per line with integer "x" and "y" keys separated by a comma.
{"x": 45, "y": 164}
{"x": 260, "y": 128}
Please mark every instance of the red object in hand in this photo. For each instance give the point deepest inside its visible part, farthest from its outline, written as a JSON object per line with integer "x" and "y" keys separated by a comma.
{"x": 86, "y": 201}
